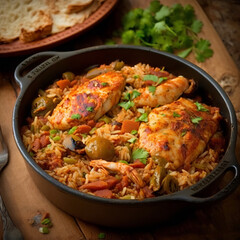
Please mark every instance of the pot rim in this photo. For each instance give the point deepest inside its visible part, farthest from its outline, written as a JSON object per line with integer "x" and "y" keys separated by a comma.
{"x": 183, "y": 195}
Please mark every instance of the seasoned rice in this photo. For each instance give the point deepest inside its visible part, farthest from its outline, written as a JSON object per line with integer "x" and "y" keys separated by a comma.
{"x": 73, "y": 167}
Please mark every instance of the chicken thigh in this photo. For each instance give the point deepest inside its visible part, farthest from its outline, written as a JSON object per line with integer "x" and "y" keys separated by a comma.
{"x": 88, "y": 101}
{"x": 179, "y": 132}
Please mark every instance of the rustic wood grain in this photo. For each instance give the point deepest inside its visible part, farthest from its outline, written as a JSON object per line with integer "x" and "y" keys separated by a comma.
{"x": 23, "y": 200}
{"x": 225, "y": 17}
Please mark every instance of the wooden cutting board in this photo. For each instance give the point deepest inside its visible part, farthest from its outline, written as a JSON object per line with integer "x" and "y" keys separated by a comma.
{"x": 23, "y": 199}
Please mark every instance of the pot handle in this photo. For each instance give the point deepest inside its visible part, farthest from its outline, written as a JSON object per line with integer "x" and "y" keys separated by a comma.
{"x": 192, "y": 194}
{"x": 28, "y": 69}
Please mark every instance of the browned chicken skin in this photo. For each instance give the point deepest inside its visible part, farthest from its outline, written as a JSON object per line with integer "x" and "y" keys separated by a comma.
{"x": 179, "y": 132}
{"x": 90, "y": 100}
{"x": 165, "y": 93}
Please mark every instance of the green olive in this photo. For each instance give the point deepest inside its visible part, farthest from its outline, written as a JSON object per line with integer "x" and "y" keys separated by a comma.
{"x": 94, "y": 72}
{"x": 169, "y": 185}
{"x": 68, "y": 75}
{"x": 160, "y": 161}
{"x": 42, "y": 105}
{"x": 100, "y": 148}
{"x": 157, "y": 177}
{"x": 118, "y": 65}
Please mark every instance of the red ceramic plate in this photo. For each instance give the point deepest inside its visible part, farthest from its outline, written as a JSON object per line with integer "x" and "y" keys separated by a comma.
{"x": 20, "y": 48}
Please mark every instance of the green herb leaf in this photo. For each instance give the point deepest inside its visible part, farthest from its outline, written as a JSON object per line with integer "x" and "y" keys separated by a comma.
{"x": 161, "y": 79}
{"x": 132, "y": 140}
{"x": 72, "y": 130}
{"x": 162, "y": 13}
{"x": 185, "y": 52}
{"x": 133, "y": 132}
{"x": 150, "y": 77}
{"x": 196, "y": 120}
{"x": 200, "y": 107}
{"x": 152, "y": 89}
{"x": 202, "y": 50}
{"x": 104, "y": 84}
{"x": 89, "y": 109}
{"x": 176, "y": 114}
{"x": 127, "y": 96}
{"x": 155, "y": 6}
{"x": 142, "y": 118}
{"x": 173, "y": 29}
{"x": 76, "y": 116}
{"x": 196, "y": 26}
{"x": 140, "y": 154}
{"x": 160, "y": 27}
{"x": 126, "y": 105}
{"x": 135, "y": 94}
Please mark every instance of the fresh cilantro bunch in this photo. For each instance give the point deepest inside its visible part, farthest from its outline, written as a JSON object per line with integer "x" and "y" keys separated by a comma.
{"x": 173, "y": 29}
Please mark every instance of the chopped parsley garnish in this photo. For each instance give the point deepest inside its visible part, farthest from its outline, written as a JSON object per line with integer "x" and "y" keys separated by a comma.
{"x": 104, "y": 84}
{"x": 150, "y": 77}
{"x": 161, "y": 79}
{"x": 176, "y": 114}
{"x": 163, "y": 114}
{"x": 196, "y": 120}
{"x": 89, "y": 109}
{"x": 132, "y": 140}
{"x": 152, "y": 89}
{"x": 173, "y": 29}
{"x": 72, "y": 130}
{"x": 200, "y": 107}
{"x": 136, "y": 76}
{"x": 126, "y": 105}
{"x": 140, "y": 154}
{"x": 135, "y": 94}
{"x": 133, "y": 132}
{"x": 129, "y": 96}
{"x": 142, "y": 118}
{"x": 154, "y": 78}
{"x": 76, "y": 116}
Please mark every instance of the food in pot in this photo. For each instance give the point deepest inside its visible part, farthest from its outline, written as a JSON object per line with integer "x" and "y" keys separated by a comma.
{"x": 124, "y": 132}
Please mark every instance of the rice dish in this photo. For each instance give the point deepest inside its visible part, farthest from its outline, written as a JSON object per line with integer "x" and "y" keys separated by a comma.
{"x": 124, "y": 132}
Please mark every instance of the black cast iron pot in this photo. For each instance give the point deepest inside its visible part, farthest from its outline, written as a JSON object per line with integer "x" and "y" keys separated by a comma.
{"x": 47, "y": 66}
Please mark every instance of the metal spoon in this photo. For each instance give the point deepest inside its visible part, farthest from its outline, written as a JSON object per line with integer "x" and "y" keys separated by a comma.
{"x": 10, "y": 231}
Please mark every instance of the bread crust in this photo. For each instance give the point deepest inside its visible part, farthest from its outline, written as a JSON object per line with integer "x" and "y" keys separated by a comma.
{"x": 31, "y": 20}
{"x": 44, "y": 23}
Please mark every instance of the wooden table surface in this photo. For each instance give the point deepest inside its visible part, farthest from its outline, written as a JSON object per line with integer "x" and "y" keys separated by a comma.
{"x": 23, "y": 200}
